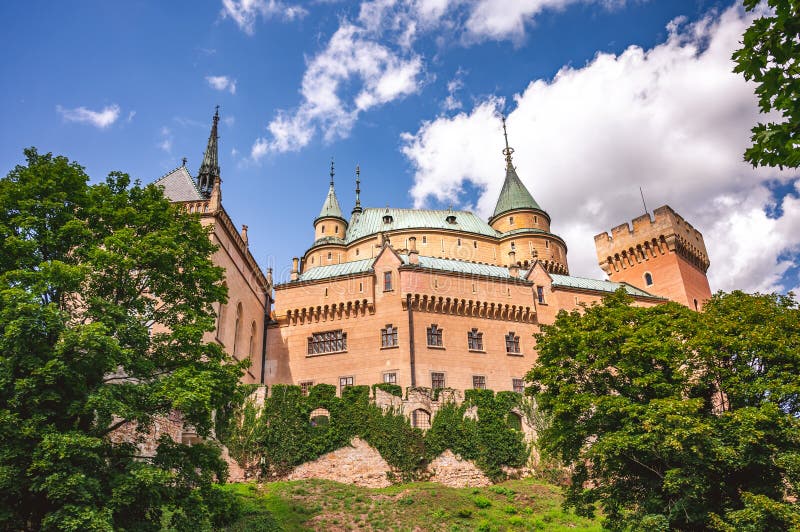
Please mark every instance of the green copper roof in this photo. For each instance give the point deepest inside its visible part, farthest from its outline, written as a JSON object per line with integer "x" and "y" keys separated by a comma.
{"x": 582, "y": 283}
{"x": 460, "y": 266}
{"x": 331, "y": 206}
{"x": 337, "y": 270}
{"x": 514, "y": 195}
{"x": 371, "y": 222}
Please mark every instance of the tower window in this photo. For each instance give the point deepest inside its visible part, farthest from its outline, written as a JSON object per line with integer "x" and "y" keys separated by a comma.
{"x": 389, "y": 336}
{"x": 323, "y": 228}
{"x": 335, "y": 228}
{"x": 547, "y": 244}
{"x": 424, "y": 239}
{"x": 536, "y": 219}
{"x": 330, "y": 255}
{"x": 648, "y": 278}
{"x": 361, "y": 287}
{"x": 512, "y": 343}
{"x": 434, "y": 336}
{"x": 695, "y": 305}
{"x": 358, "y": 252}
{"x": 475, "y": 340}
{"x": 458, "y": 241}
{"x": 513, "y": 246}
{"x": 540, "y": 294}
{"x": 475, "y": 244}
{"x": 387, "y": 281}
{"x": 510, "y": 220}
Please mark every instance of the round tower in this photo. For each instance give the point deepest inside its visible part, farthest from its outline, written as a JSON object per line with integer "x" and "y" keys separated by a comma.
{"x": 524, "y": 225}
{"x": 329, "y": 232}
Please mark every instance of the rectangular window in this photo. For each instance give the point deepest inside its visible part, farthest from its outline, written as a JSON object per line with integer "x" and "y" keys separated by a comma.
{"x": 327, "y": 342}
{"x": 512, "y": 343}
{"x": 540, "y": 294}
{"x": 305, "y": 386}
{"x": 390, "y": 378}
{"x": 387, "y": 281}
{"x": 434, "y": 336}
{"x": 459, "y": 242}
{"x": 437, "y": 380}
{"x": 479, "y": 382}
{"x": 518, "y": 385}
{"x": 389, "y": 336}
{"x": 344, "y": 382}
{"x": 475, "y": 340}
{"x": 424, "y": 239}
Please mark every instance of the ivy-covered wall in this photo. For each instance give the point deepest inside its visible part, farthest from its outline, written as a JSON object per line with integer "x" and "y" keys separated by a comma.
{"x": 283, "y": 433}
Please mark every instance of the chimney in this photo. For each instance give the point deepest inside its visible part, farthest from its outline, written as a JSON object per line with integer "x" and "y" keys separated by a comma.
{"x": 295, "y": 274}
{"x": 513, "y": 269}
{"x": 413, "y": 254}
{"x": 244, "y": 234}
{"x": 269, "y": 278}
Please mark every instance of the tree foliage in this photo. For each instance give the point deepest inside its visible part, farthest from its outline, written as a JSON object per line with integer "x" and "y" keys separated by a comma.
{"x": 676, "y": 417}
{"x": 770, "y": 57}
{"x": 85, "y": 273}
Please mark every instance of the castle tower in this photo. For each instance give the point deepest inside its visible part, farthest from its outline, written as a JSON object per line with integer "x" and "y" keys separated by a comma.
{"x": 209, "y": 169}
{"x": 329, "y": 228}
{"x": 665, "y": 256}
{"x": 525, "y": 225}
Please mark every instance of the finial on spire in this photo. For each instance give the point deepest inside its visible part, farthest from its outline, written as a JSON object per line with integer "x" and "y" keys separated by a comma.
{"x": 357, "y": 208}
{"x": 183, "y": 161}
{"x": 332, "y": 171}
{"x": 507, "y": 151}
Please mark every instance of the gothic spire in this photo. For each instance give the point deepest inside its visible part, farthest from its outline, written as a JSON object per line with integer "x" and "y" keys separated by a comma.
{"x": 357, "y": 208}
{"x": 209, "y": 169}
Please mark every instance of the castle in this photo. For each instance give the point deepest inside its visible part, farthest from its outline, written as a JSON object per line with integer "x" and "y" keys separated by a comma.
{"x": 425, "y": 298}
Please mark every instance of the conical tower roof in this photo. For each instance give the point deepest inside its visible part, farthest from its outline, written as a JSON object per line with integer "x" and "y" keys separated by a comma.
{"x": 514, "y": 195}
{"x": 330, "y": 208}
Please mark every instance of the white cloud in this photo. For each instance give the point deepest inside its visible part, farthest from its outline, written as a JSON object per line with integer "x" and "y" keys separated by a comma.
{"x": 222, "y": 83}
{"x": 245, "y": 12}
{"x": 352, "y": 57}
{"x": 100, "y": 119}
{"x": 451, "y": 103}
{"x": 672, "y": 119}
{"x": 166, "y": 140}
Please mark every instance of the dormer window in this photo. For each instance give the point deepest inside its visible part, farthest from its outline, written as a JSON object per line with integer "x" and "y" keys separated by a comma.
{"x": 387, "y": 218}
{"x": 451, "y": 218}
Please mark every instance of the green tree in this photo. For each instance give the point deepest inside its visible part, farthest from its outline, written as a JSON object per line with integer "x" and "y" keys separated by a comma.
{"x": 85, "y": 272}
{"x": 770, "y": 56}
{"x": 669, "y": 416}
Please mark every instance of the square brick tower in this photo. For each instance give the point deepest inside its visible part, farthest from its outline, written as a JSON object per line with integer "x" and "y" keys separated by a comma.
{"x": 665, "y": 256}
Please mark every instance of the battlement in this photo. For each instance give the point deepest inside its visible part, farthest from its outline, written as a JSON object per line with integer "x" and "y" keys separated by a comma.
{"x": 650, "y": 237}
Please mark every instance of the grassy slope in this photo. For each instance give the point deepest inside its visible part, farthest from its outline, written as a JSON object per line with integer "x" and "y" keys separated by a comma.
{"x": 324, "y": 505}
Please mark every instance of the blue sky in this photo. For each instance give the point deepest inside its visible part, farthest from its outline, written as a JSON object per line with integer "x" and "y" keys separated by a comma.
{"x": 603, "y": 97}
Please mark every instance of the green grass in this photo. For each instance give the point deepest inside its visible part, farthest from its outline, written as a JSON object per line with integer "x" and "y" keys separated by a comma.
{"x": 323, "y": 505}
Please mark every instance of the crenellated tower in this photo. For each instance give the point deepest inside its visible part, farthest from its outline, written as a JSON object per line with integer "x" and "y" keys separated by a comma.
{"x": 524, "y": 225}
{"x": 663, "y": 255}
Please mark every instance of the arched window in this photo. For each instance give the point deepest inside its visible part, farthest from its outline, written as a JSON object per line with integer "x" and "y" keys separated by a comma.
{"x": 421, "y": 419}
{"x": 320, "y": 416}
{"x": 252, "y": 345}
{"x": 514, "y": 421}
{"x": 648, "y": 278}
{"x": 323, "y": 228}
{"x": 237, "y": 329}
{"x": 221, "y": 316}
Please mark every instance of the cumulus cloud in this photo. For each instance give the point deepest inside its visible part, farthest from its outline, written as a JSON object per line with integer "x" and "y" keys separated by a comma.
{"x": 245, "y": 12}
{"x": 672, "y": 119}
{"x": 352, "y": 57}
{"x": 99, "y": 119}
{"x": 451, "y": 102}
{"x": 222, "y": 83}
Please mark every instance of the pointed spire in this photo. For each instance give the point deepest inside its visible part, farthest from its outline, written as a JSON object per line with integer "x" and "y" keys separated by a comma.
{"x": 357, "y": 208}
{"x": 209, "y": 169}
{"x": 513, "y": 195}
{"x": 331, "y": 206}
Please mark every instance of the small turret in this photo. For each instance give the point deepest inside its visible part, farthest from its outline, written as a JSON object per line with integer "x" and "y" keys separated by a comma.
{"x": 209, "y": 169}
{"x": 331, "y": 221}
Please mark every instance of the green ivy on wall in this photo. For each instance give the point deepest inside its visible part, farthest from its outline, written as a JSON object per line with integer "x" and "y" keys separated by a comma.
{"x": 284, "y": 434}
